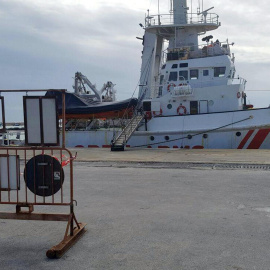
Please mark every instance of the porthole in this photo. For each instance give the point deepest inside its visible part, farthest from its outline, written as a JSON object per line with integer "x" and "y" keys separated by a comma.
{"x": 205, "y": 136}
{"x": 152, "y": 138}
{"x": 169, "y": 106}
{"x": 189, "y": 137}
{"x": 238, "y": 134}
{"x": 211, "y": 103}
{"x": 166, "y": 138}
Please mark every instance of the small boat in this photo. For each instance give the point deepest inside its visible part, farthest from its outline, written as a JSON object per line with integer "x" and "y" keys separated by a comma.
{"x": 89, "y": 103}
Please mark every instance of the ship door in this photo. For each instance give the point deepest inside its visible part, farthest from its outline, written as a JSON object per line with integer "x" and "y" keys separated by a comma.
{"x": 203, "y": 106}
{"x": 193, "y": 107}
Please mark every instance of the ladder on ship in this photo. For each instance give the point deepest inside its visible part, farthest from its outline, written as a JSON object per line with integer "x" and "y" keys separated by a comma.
{"x": 118, "y": 144}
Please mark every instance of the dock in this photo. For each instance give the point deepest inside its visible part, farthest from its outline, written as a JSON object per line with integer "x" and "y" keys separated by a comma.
{"x": 157, "y": 209}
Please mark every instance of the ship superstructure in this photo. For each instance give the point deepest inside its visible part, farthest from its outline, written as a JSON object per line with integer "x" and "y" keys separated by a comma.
{"x": 199, "y": 76}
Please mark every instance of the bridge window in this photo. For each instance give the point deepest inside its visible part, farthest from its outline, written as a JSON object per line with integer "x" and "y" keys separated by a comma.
{"x": 183, "y": 65}
{"x": 173, "y": 76}
{"x": 205, "y": 72}
{"x": 174, "y": 66}
{"x": 163, "y": 67}
{"x": 219, "y": 71}
{"x": 194, "y": 74}
{"x": 183, "y": 75}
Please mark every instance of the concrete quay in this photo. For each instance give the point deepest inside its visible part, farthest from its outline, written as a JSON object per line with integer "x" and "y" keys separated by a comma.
{"x": 161, "y": 209}
{"x": 214, "y": 156}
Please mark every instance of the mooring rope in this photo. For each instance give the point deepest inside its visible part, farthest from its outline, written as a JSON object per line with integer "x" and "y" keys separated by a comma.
{"x": 197, "y": 134}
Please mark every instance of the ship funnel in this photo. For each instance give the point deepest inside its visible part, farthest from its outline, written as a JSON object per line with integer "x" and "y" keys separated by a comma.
{"x": 180, "y": 11}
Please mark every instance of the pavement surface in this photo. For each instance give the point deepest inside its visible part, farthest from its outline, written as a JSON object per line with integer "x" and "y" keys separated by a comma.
{"x": 158, "y": 215}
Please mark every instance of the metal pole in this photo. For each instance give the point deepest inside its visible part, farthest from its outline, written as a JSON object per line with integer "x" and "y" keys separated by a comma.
{"x": 71, "y": 197}
{"x": 63, "y": 119}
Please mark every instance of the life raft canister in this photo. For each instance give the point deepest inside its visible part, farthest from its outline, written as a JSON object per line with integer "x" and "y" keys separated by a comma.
{"x": 181, "y": 110}
{"x": 169, "y": 86}
{"x": 158, "y": 114}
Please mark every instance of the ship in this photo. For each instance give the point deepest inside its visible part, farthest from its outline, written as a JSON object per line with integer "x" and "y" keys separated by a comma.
{"x": 189, "y": 94}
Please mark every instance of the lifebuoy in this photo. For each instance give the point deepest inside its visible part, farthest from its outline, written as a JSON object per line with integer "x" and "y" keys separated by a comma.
{"x": 169, "y": 86}
{"x": 156, "y": 114}
{"x": 238, "y": 95}
{"x": 182, "y": 110}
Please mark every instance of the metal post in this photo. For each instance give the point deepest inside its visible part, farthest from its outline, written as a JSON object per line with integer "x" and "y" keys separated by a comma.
{"x": 63, "y": 119}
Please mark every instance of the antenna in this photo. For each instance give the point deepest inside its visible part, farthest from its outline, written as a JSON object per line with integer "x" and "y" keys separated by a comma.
{"x": 191, "y": 12}
{"x": 202, "y": 4}
{"x": 171, "y": 6}
{"x": 205, "y": 12}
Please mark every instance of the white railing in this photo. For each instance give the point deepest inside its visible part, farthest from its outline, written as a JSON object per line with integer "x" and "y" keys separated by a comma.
{"x": 201, "y": 51}
{"x": 239, "y": 80}
{"x": 192, "y": 18}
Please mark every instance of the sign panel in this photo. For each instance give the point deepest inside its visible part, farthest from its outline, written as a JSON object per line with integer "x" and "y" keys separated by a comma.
{"x": 49, "y": 119}
{"x": 10, "y": 172}
{"x": 33, "y": 121}
{"x": 41, "y": 121}
{"x": 2, "y": 115}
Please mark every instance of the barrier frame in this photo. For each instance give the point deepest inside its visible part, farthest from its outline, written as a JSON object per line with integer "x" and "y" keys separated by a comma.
{"x": 74, "y": 229}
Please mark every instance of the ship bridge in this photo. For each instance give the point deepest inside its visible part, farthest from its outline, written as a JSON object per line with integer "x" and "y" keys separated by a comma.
{"x": 166, "y": 26}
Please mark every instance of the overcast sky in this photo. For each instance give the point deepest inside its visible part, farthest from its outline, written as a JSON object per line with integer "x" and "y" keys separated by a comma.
{"x": 44, "y": 42}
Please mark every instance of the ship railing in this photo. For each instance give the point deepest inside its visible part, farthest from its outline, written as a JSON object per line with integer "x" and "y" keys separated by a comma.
{"x": 239, "y": 80}
{"x": 182, "y": 52}
{"x": 192, "y": 18}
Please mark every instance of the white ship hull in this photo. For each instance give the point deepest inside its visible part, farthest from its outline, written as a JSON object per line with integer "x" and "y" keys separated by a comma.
{"x": 249, "y": 129}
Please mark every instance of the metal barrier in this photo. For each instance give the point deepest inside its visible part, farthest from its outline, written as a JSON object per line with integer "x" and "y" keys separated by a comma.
{"x": 40, "y": 176}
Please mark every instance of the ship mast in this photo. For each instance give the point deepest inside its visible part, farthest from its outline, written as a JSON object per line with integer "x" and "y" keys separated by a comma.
{"x": 180, "y": 11}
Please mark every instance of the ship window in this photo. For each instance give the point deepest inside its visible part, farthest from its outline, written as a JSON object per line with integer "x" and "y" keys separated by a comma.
{"x": 161, "y": 79}
{"x": 160, "y": 91}
{"x": 206, "y": 72}
{"x": 163, "y": 67}
{"x": 183, "y": 75}
{"x": 219, "y": 71}
{"x": 183, "y": 65}
{"x": 194, "y": 74}
{"x": 174, "y": 66}
{"x": 173, "y": 76}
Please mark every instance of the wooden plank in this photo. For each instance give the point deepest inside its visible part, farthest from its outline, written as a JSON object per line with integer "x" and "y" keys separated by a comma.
{"x": 35, "y": 216}
{"x": 59, "y": 250}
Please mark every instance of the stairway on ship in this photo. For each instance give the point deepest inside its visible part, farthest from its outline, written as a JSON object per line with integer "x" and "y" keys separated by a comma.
{"x": 118, "y": 144}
